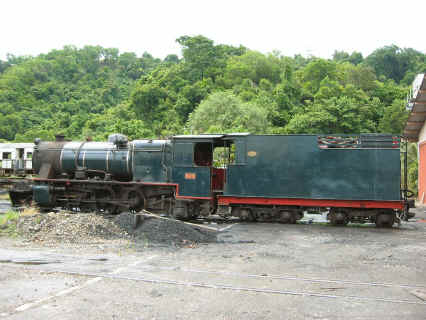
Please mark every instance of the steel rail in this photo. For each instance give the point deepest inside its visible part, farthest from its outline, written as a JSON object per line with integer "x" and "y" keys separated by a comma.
{"x": 289, "y": 277}
{"x": 234, "y": 288}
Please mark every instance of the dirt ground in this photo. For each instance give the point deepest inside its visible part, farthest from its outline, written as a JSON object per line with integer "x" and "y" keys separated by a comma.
{"x": 253, "y": 271}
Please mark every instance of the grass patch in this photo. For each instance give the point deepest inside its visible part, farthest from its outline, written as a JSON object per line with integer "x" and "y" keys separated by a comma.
{"x": 30, "y": 211}
{"x": 8, "y": 222}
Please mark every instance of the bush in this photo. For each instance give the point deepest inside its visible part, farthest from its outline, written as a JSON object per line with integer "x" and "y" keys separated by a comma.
{"x": 8, "y": 222}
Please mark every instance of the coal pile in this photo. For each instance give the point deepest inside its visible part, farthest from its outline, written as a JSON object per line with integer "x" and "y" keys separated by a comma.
{"x": 69, "y": 228}
{"x": 81, "y": 228}
{"x": 160, "y": 231}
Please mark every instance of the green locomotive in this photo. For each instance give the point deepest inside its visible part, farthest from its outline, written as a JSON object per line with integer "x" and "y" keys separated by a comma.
{"x": 254, "y": 177}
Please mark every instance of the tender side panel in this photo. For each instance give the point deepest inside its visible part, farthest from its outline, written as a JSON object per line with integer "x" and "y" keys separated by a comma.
{"x": 296, "y": 167}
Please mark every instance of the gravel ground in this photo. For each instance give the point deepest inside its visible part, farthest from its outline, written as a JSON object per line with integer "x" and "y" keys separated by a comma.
{"x": 304, "y": 271}
{"x": 68, "y": 228}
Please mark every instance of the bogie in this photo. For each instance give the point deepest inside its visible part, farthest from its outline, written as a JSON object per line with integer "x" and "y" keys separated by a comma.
{"x": 385, "y": 219}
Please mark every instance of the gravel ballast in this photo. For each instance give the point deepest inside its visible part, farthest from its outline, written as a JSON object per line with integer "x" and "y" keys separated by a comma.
{"x": 171, "y": 232}
{"x": 91, "y": 227}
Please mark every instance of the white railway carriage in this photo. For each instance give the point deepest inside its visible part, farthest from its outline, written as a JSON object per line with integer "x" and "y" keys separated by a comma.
{"x": 16, "y": 158}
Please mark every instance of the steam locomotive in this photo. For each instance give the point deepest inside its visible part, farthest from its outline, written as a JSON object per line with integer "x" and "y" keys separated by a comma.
{"x": 355, "y": 178}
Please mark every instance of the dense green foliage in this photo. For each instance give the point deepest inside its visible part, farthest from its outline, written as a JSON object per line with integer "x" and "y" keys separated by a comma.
{"x": 96, "y": 91}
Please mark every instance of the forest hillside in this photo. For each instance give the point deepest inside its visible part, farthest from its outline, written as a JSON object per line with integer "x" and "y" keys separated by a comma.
{"x": 95, "y": 91}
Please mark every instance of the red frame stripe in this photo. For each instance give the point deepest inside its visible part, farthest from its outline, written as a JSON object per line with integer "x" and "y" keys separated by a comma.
{"x": 364, "y": 204}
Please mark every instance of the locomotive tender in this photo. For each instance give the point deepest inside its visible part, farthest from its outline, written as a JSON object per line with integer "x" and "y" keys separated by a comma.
{"x": 254, "y": 177}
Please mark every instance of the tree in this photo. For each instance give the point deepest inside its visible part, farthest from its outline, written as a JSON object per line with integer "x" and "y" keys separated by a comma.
{"x": 341, "y": 56}
{"x": 356, "y": 58}
{"x": 171, "y": 58}
{"x": 146, "y": 101}
{"x": 394, "y": 118}
{"x": 9, "y": 126}
{"x": 199, "y": 54}
{"x": 328, "y": 89}
{"x": 334, "y": 115}
{"x": 253, "y": 66}
{"x": 202, "y": 59}
{"x": 4, "y": 65}
{"x": 36, "y": 132}
{"x": 394, "y": 62}
{"x": 190, "y": 97}
{"x": 388, "y": 91}
{"x": 224, "y": 112}
{"x": 100, "y": 90}
{"x": 316, "y": 71}
{"x": 360, "y": 76}
{"x": 413, "y": 169}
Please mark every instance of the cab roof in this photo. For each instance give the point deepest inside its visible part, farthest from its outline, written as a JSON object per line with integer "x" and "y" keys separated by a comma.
{"x": 211, "y": 136}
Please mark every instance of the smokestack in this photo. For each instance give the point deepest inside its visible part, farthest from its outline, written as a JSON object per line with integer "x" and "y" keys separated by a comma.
{"x": 59, "y": 137}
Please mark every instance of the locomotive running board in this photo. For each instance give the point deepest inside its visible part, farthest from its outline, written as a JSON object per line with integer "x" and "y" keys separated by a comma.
{"x": 365, "y": 204}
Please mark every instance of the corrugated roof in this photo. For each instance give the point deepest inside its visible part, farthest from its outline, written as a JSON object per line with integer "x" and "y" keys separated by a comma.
{"x": 416, "y": 103}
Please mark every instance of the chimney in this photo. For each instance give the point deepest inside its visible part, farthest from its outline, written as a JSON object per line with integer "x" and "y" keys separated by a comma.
{"x": 59, "y": 137}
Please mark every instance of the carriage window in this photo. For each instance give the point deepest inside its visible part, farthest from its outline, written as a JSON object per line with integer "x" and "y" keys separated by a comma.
{"x": 203, "y": 154}
{"x": 29, "y": 155}
{"x": 7, "y": 155}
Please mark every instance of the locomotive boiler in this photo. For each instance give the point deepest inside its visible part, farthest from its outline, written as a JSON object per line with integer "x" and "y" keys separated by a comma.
{"x": 84, "y": 159}
{"x": 255, "y": 177}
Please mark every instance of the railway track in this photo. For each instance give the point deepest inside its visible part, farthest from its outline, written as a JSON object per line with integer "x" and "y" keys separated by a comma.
{"x": 221, "y": 286}
{"x": 265, "y": 290}
{"x": 289, "y": 277}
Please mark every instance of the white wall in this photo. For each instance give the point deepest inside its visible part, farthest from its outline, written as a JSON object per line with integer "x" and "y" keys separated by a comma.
{"x": 422, "y": 134}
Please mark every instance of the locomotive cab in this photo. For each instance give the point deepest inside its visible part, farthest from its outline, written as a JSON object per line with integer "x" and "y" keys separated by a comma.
{"x": 193, "y": 165}
{"x": 201, "y": 162}
{"x": 200, "y": 165}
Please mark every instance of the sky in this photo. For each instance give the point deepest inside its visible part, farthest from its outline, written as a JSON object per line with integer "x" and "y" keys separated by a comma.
{"x": 318, "y": 28}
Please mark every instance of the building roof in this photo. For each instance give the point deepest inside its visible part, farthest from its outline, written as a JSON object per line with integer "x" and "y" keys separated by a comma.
{"x": 416, "y": 103}
{"x": 17, "y": 145}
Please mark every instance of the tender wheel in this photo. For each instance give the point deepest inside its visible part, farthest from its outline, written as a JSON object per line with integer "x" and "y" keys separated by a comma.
{"x": 186, "y": 210}
{"x": 244, "y": 214}
{"x": 385, "y": 220}
{"x": 193, "y": 210}
{"x": 338, "y": 218}
{"x": 287, "y": 217}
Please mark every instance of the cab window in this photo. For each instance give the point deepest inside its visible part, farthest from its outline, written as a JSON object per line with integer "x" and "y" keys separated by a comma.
{"x": 203, "y": 154}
